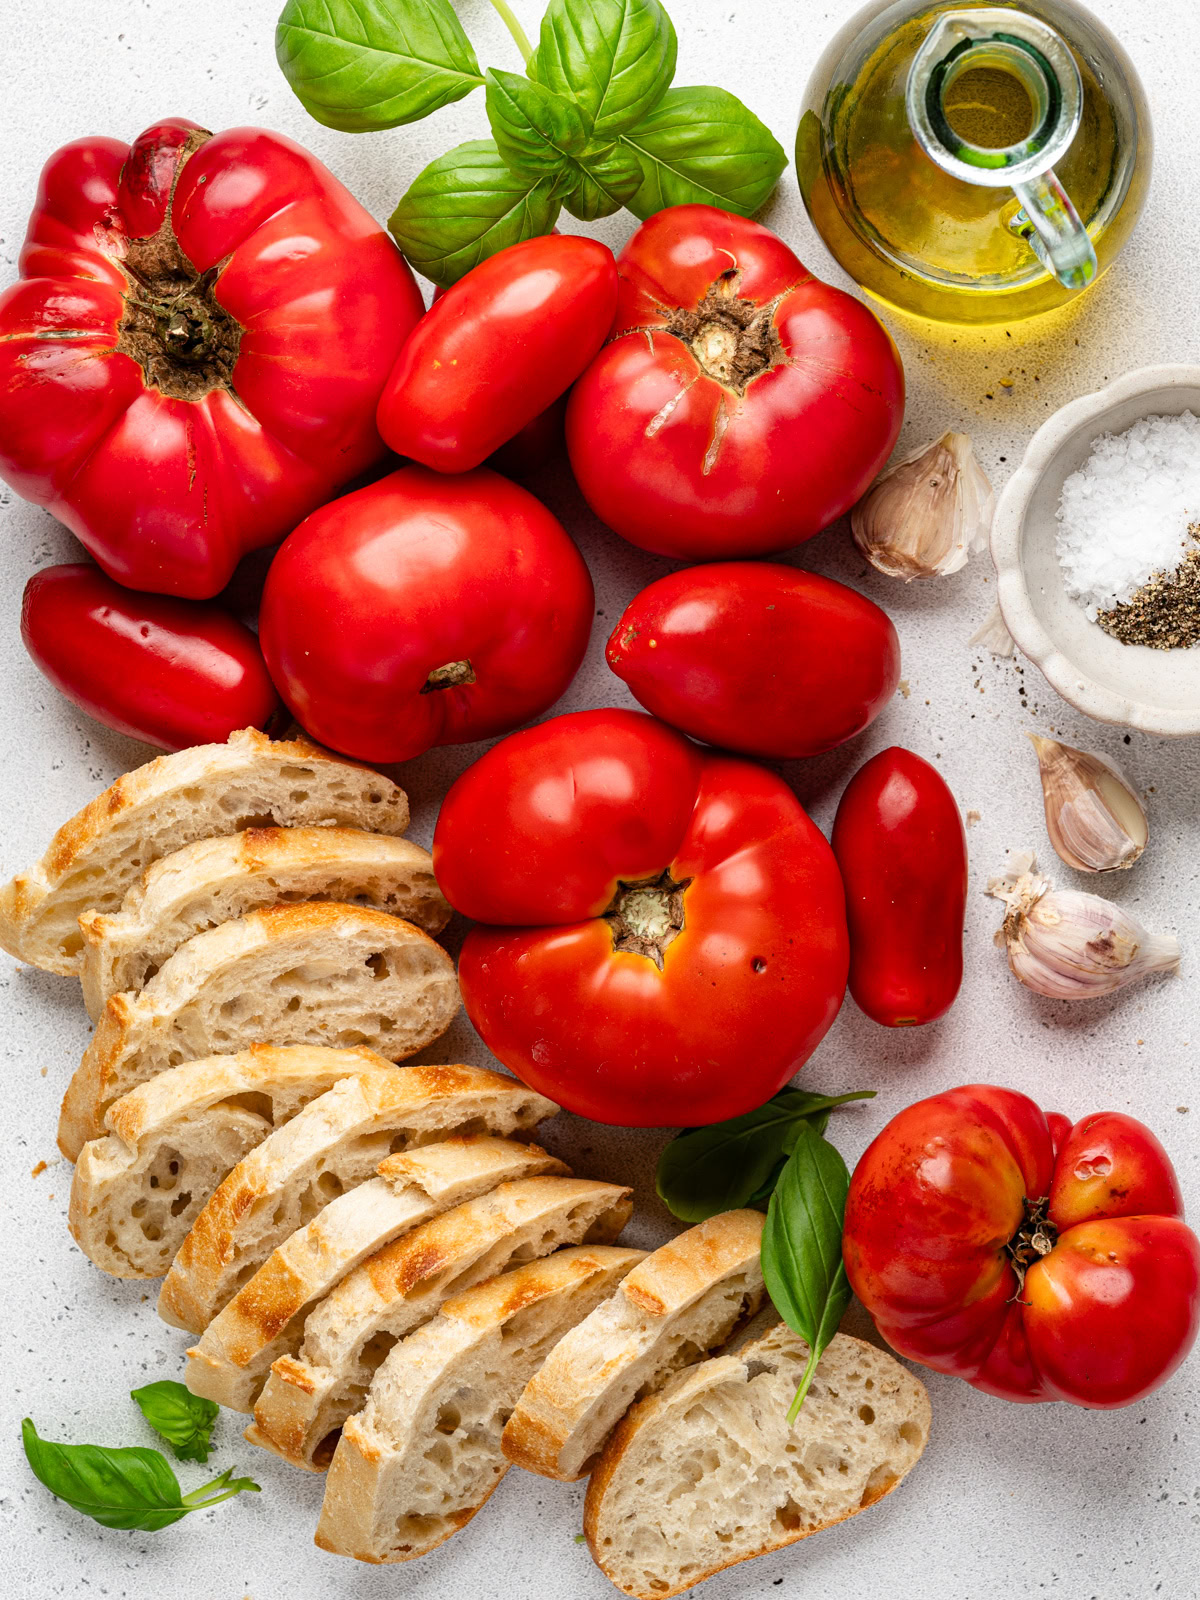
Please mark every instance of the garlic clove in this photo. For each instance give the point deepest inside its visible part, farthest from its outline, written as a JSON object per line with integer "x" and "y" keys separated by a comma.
{"x": 1069, "y": 945}
{"x": 1095, "y": 821}
{"x": 925, "y": 514}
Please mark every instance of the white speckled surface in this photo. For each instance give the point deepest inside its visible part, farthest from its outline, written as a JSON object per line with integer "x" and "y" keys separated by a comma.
{"x": 1009, "y": 1501}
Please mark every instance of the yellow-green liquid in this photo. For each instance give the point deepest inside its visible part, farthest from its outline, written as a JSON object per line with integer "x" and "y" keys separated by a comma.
{"x": 989, "y": 107}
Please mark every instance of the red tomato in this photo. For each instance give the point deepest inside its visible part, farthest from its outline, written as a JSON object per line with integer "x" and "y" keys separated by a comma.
{"x": 900, "y": 843}
{"x": 425, "y": 610}
{"x": 171, "y": 672}
{"x": 757, "y": 657}
{"x": 741, "y": 405}
{"x": 667, "y": 939}
{"x": 535, "y": 445}
{"x": 1038, "y": 1261}
{"x": 497, "y": 348}
{"x": 193, "y": 356}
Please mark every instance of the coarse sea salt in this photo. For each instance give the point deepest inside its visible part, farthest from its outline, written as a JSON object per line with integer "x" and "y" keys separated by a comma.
{"x": 1125, "y": 514}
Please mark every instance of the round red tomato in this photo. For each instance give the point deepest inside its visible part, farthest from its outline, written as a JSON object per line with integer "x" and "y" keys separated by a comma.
{"x": 757, "y": 657}
{"x": 664, "y": 936}
{"x": 741, "y": 405}
{"x": 991, "y": 1240}
{"x": 424, "y": 610}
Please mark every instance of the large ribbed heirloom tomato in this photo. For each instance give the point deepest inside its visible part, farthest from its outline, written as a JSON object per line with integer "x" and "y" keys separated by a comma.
{"x": 1039, "y": 1261}
{"x": 193, "y": 356}
{"x": 663, "y": 931}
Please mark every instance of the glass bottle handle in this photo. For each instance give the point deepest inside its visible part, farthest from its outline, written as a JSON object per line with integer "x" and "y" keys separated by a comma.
{"x": 1050, "y": 224}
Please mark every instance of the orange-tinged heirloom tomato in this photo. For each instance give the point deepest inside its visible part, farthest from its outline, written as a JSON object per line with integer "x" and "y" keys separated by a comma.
{"x": 663, "y": 934}
{"x": 993, "y": 1241}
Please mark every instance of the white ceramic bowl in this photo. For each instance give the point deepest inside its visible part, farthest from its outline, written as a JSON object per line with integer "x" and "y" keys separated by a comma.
{"x": 1157, "y": 691}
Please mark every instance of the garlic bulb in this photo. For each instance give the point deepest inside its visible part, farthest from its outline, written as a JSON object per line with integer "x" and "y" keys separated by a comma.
{"x": 927, "y": 513}
{"x": 1069, "y": 945}
{"x": 1094, "y": 819}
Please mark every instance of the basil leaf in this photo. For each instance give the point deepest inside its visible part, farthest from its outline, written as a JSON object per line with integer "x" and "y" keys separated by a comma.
{"x": 614, "y": 58}
{"x": 737, "y": 1163}
{"x": 465, "y": 206}
{"x": 802, "y": 1247}
{"x": 705, "y": 146}
{"x": 539, "y": 134}
{"x": 360, "y": 65}
{"x": 606, "y": 179}
{"x": 185, "y": 1420}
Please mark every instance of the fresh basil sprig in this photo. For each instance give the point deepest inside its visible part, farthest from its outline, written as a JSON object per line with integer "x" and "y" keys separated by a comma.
{"x": 130, "y": 1488}
{"x": 185, "y": 1420}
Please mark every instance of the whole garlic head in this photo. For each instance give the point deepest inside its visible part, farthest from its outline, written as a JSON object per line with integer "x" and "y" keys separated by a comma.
{"x": 925, "y": 514}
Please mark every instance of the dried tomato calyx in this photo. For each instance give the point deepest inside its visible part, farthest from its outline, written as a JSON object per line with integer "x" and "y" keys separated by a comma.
{"x": 1035, "y": 1238}
{"x": 451, "y": 676}
{"x": 647, "y": 916}
{"x": 733, "y": 339}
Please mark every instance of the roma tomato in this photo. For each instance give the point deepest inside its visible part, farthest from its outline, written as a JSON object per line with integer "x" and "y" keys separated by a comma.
{"x": 741, "y": 405}
{"x": 424, "y": 610}
{"x": 902, "y": 849}
{"x": 665, "y": 936}
{"x": 757, "y": 657}
{"x": 993, "y": 1241}
{"x": 192, "y": 359}
{"x": 498, "y": 348}
{"x": 171, "y": 672}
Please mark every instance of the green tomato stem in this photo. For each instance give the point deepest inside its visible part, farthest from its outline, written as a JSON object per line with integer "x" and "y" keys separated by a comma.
{"x": 505, "y": 13}
{"x": 794, "y": 1409}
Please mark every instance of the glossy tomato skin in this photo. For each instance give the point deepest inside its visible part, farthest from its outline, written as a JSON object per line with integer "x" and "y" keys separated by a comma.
{"x": 698, "y": 466}
{"x": 1110, "y": 1304}
{"x": 541, "y": 835}
{"x": 297, "y": 303}
{"x": 902, "y": 850}
{"x": 497, "y": 348}
{"x": 419, "y": 572}
{"x": 170, "y": 672}
{"x": 757, "y": 657}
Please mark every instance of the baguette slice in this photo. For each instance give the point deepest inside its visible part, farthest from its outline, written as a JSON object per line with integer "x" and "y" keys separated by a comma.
{"x": 250, "y": 781}
{"x": 416, "y": 1464}
{"x": 215, "y": 880}
{"x": 334, "y": 1143}
{"x": 265, "y": 1319}
{"x": 307, "y": 1398}
{"x": 324, "y": 974}
{"x": 709, "y": 1472}
{"x": 670, "y": 1311}
{"x": 137, "y": 1191}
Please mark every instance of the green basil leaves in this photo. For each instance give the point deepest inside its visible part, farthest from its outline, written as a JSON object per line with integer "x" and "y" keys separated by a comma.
{"x": 703, "y": 146}
{"x": 185, "y": 1420}
{"x": 615, "y": 58}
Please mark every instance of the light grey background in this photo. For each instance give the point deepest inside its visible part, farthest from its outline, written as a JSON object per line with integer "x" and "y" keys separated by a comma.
{"x": 1009, "y": 1501}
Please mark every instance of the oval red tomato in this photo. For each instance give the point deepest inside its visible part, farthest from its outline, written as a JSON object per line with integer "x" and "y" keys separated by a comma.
{"x": 757, "y": 657}
{"x": 995, "y": 1242}
{"x": 663, "y": 936}
{"x": 741, "y": 405}
{"x": 425, "y": 610}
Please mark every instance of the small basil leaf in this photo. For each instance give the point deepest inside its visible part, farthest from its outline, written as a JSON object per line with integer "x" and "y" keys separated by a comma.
{"x": 802, "y": 1247}
{"x": 465, "y": 206}
{"x": 539, "y": 134}
{"x": 704, "y": 146}
{"x": 605, "y": 180}
{"x": 185, "y": 1420}
{"x": 360, "y": 65}
{"x": 614, "y": 58}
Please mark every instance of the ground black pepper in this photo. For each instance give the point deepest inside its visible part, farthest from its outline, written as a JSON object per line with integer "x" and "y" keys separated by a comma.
{"x": 1165, "y": 611}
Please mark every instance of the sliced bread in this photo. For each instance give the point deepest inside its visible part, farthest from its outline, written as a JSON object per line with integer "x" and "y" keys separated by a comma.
{"x": 215, "y": 880}
{"x": 673, "y": 1308}
{"x": 325, "y": 974}
{"x": 709, "y": 1472}
{"x": 265, "y": 1319}
{"x": 423, "y": 1454}
{"x": 308, "y": 1397}
{"x": 250, "y": 781}
{"x": 137, "y": 1191}
{"x": 337, "y": 1141}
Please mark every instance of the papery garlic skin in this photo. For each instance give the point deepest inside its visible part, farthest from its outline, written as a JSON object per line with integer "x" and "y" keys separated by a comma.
{"x": 926, "y": 513}
{"x": 1095, "y": 820}
{"x": 993, "y": 636}
{"x": 1068, "y": 945}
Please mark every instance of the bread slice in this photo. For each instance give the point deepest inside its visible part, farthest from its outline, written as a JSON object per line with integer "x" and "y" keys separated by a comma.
{"x": 137, "y": 1191}
{"x": 215, "y": 880}
{"x": 250, "y": 781}
{"x": 334, "y": 1143}
{"x": 424, "y": 1454}
{"x": 670, "y": 1311}
{"x": 709, "y": 1472}
{"x": 324, "y": 974}
{"x": 265, "y": 1319}
{"x": 307, "y": 1397}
